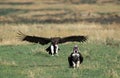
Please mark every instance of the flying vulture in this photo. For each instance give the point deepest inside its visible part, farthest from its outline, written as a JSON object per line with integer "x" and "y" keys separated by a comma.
{"x": 75, "y": 58}
{"x": 53, "y": 48}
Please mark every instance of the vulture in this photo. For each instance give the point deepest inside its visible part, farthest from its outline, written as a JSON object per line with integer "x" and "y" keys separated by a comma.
{"x": 75, "y": 58}
{"x": 53, "y": 48}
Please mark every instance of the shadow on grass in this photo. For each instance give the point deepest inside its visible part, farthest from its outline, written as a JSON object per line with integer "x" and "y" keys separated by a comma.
{"x": 46, "y": 65}
{"x": 61, "y": 16}
{"x": 43, "y": 54}
{"x": 16, "y": 3}
{"x": 8, "y": 11}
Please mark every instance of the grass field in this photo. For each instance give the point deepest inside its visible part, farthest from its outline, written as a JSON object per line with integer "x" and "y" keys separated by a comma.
{"x": 31, "y": 61}
{"x": 59, "y": 18}
{"x": 97, "y": 19}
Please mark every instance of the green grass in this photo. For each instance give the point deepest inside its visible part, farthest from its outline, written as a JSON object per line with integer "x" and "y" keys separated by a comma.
{"x": 31, "y": 61}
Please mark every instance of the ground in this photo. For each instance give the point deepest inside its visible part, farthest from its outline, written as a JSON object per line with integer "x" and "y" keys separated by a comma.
{"x": 97, "y": 19}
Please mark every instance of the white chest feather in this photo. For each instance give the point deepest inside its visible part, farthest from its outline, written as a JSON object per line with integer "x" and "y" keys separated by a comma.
{"x": 75, "y": 54}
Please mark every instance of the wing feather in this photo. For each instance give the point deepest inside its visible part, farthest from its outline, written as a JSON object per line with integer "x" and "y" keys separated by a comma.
{"x": 73, "y": 38}
{"x": 34, "y": 39}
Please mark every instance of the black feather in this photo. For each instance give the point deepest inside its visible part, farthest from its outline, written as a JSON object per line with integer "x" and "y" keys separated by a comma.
{"x": 54, "y": 40}
{"x": 34, "y": 39}
{"x": 73, "y": 38}
{"x": 74, "y": 59}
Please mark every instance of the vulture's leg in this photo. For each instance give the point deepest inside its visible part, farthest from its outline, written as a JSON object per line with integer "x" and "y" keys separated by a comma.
{"x": 73, "y": 64}
{"x": 52, "y": 50}
{"x": 56, "y": 51}
{"x": 78, "y": 63}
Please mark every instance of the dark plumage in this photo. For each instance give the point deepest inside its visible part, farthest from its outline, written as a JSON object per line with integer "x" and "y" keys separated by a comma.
{"x": 75, "y": 58}
{"x": 49, "y": 49}
{"x": 54, "y": 41}
{"x": 34, "y": 39}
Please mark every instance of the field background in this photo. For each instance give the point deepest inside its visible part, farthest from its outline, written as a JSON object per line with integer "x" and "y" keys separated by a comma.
{"x": 97, "y": 19}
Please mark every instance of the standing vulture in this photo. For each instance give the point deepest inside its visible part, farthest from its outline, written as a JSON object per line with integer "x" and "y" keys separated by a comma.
{"x": 53, "y": 48}
{"x": 75, "y": 58}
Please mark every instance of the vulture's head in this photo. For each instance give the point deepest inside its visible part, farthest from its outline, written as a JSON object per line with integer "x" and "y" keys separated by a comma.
{"x": 55, "y": 40}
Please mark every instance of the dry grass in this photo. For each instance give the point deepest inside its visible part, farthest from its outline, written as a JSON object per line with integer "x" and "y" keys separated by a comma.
{"x": 29, "y": 12}
{"x": 8, "y": 33}
{"x": 112, "y": 73}
{"x": 43, "y": 11}
{"x": 100, "y": 22}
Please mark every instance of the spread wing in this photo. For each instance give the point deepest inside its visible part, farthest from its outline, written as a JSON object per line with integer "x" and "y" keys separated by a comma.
{"x": 34, "y": 39}
{"x": 73, "y": 38}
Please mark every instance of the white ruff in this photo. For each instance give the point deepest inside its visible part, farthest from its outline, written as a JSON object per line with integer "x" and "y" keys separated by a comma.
{"x": 75, "y": 54}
